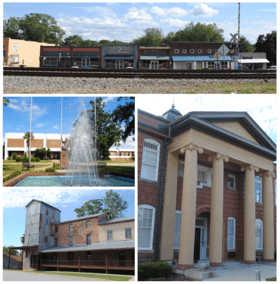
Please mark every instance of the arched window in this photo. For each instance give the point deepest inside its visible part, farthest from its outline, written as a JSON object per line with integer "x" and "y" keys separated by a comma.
{"x": 146, "y": 222}
{"x": 150, "y": 160}
{"x": 231, "y": 233}
{"x": 259, "y": 233}
{"x": 177, "y": 229}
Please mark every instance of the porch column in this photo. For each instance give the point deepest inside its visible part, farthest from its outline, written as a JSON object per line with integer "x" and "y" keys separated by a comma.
{"x": 249, "y": 214}
{"x": 188, "y": 210}
{"x": 216, "y": 217}
{"x": 268, "y": 224}
{"x": 169, "y": 208}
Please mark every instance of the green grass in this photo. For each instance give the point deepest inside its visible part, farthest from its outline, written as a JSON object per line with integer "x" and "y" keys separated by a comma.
{"x": 115, "y": 162}
{"x": 32, "y": 163}
{"x": 116, "y": 169}
{"x": 87, "y": 275}
{"x": 271, "y": 279}
{"x": 7, "y": 169}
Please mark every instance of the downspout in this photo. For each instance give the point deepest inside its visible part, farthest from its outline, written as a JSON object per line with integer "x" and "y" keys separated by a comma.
{"x": 160, "y": 193}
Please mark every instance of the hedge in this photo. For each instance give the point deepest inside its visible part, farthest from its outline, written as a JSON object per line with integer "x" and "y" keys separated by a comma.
{"x": 154, "y": 270}
{"x": 50, "y": 170}
{"x": 11, "y": 176}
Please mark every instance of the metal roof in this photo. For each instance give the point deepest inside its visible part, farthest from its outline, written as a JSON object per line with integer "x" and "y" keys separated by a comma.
{"x": 129, "y": 218}
{"x": 152, "y": 57}
{"x": 199, "y": 58}
{"x": 253, "y": 60}
{"x": 171, "y": 114}
{"x": 42, "y": 202}
{"x": 94, "y": 246}
{"x": 81, "y": 218}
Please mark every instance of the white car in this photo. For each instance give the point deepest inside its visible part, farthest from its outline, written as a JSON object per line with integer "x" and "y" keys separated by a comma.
{"x": 272, "y": 67}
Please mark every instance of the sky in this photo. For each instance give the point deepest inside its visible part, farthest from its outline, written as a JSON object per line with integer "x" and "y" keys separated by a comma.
{"x": 46, "y": 114}
{"x": 66, "y": 200}
{"x": 263, "y": 109}
{"x": 128, "y": 20}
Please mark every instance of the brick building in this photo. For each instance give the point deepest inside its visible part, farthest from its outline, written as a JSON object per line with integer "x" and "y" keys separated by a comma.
{"x": 14, "y": 143}
{"x": 93, "y": 242}
{"x": 206, "y": 188}
{"x": 14, "y": 264}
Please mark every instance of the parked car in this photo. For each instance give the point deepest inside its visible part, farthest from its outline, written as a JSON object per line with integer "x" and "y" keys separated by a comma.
{"x": 273, "y": 67}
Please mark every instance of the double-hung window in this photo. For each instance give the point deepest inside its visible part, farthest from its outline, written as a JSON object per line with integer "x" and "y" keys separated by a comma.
{"x": 258, "y": 189}
{"x": 231, "y": 233}
{"x": 231, "y": 181}
{"x": 146, "y": 221}
{"x": 177, "y": 229}
{"x": 150, "y": 160}
{"x": 70, "y": 241}
{"x": 128, "y": 233}
{"x": 259, "y": 233}
{"x": 88, "y": 239}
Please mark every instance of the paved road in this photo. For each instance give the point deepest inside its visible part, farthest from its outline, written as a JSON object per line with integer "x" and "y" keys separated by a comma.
{"x": 29, "y": 276}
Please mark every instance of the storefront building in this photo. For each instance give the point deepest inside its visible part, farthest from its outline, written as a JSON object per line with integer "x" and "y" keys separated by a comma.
{"x": 253, "y": 60}
{"x": 154, "y": 58}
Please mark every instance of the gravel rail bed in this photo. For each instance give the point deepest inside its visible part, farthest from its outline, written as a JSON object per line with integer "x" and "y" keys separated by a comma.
{"x": 59, "y": 85}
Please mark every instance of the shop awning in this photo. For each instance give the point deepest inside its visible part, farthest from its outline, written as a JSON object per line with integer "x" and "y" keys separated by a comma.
{"x": 253, "y": 60}
{"x": 88, "y": 55}
{"x": 199, "y": 58}
{"x": 145, "y": 57}
{"x": 55, "y": 54}
{"x": 119, "y": 57}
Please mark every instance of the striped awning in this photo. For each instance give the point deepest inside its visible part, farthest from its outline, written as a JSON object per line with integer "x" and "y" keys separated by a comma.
{"x": 146, "y": 57}
{"x": 119, "y": 57}
{"x": 199, "y": 58}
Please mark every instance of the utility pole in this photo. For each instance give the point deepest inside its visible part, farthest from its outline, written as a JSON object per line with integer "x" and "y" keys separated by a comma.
{"x": 30, "y": 133}
{"x": 238, "y": 27}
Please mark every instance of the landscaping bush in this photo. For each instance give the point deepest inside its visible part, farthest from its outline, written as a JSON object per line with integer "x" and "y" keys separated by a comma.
{"x": 25, "y": 156}
{"x": 37, "y": 159}
{"x": 32, "y": 159}
{"x": 14, "y": 156}
{"x": 206, "y": 68}
{"x": 198, "y": 68}
{"x": 57, "y": 166}
{"x": 19, "y": 159}
{"x": 25, "y": 160}
{"x": 11, "y": 176}
{"x": 48, "y": 158}
{"x": 9, "y": 158}
{"x": 50, "y": 170}
{"x": 153, "y": 270}
{"x": 115, "y": 169}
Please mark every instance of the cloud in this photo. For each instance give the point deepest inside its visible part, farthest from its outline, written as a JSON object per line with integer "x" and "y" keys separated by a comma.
{"x": 101, "y": 11}
{"x": 145, "y": 23}
{"x": 56, "y": 127}
{"x": 138, "y": 15}
{"x": 174, "y": 12}
{"x": 13, "y": 100}
{"x": 128, "y": 144}
{"x": 108, "y": 99}
{"x": 39, "y": 125}
{"x": 267, "y": 10}
{"x": 203, "y": 11}
{"x": 174, "y": 23}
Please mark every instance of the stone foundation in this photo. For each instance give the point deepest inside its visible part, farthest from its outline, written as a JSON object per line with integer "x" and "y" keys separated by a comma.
{"x": 64, "y": 158}
{"x": 216, "y": 264}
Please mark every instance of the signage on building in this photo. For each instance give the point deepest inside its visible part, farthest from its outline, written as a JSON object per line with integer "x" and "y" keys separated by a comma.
{"x": 247, "y": 57}
{"x": 14, "y": 47}
{"x": 119, "y": 49}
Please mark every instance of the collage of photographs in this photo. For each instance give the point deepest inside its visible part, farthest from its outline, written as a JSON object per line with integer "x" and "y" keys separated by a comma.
{"x": 143, "y": 135}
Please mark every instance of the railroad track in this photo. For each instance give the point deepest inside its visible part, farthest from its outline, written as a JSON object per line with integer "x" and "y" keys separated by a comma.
{"x": 145, "y": 74}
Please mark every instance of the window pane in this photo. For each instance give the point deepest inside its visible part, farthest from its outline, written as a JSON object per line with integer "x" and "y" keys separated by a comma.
{"x": 201, "y": 176}
{"x": 144, "y": 237}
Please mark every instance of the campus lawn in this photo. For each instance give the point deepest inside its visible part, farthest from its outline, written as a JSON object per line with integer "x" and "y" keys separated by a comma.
{"x": 115, "y": 162}
{"x": 87, "y": 275}
{"x": 8, "y": 169}
{"x": 32, "y": 163}
{"x": 271, "y": 279}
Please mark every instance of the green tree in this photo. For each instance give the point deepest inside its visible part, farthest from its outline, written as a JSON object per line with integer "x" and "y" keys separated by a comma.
{"x": 6, "y": 250}
{"x": 197, "y": 33}
{"x": 74, "y": 40}
{"x": 125, "y": 113}
{"x": 108, "y": 131}
{"x": 245, "y": 45}
{"x": 41, "y": 28}
{"x": 40, "y": 153}
{"x": 11, "y": 28}
{"x": 112, "y": 202}
{"x": 152, "y": 37}
{"x": 104, "y": 42}
{"x": 5, "y": 101}
{"x": 27, "y": 137}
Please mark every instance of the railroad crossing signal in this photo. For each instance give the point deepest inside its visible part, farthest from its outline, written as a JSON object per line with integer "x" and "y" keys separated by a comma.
{"x": 234, "y": 38}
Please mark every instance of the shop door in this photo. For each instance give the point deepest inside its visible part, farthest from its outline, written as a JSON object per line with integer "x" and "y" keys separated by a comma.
{"x": 154, "y": 65}
{"x": 196, "y": 256}
{"x": 119, "y": 64}
{"x": 67, "y": 62}
{"x": 85, "y": 63}
{"x": 121, "y": 259}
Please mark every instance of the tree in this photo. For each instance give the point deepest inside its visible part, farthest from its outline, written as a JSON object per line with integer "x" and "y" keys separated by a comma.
{"x": 5, "y": 101}
{"x": 152, "y": 37}
{"x": 7, "y": 249}
{"x": 11, "y": 28}
{"x": 108, "y": 132}
{"x": 41, "y": 28}
{"x": 197, "y": 33}
{"x": 40, "y": 153}
{"x": 74, "y": 40}
{"x": 267, "y": 44}
{"x": 112, "y": 202}
{"x": 125, "y": 113}
{"x": 27, "y": 137}
{"x": 104, "y": 42}
{"x": 245, "y": 45}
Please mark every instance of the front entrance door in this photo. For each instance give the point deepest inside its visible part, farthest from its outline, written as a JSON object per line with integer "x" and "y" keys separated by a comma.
{"x": 121, "y": 259}
{"x": 200, "y": 245}
{"x": 154, "y": 65}
{"x": 85, "y": 63}
{"x": 196, "y": 256}
{"x": 119, "y": 64}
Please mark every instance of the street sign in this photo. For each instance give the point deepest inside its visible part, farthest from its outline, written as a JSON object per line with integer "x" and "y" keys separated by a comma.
{"x": 223, "y": 50}
{"x": 217, "y": 55}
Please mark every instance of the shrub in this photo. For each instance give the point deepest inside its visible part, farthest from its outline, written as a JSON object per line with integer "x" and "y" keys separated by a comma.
{"x": 206, "y": 68}
{"x": 25, "y": 160}
{"x": 19, "y": 159}
{"x": 11, "y": 176}
{"x": 57, "y": 166}
{"x": 37, "y": 159}
{"x": 198, "y": 68}
{"x": 32, "y": 159}
{"x": 48, "y": 158}
{"x": 50, "y": 170}
{"x": 154, "y": 270}
{"x": 25, "y": 156}
{"x": 14, "y": 156}
{"x": 9, "y": 158}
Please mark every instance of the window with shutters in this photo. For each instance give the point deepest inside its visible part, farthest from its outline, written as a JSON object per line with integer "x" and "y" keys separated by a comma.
{"x": 177, "y": 229}
{"x": 259, "y": 234}
{"x": 150, "y": 160}
{"x": 146, "y": 220}
{"x": 258, "y": 189}
{"x": 231, "y": 233}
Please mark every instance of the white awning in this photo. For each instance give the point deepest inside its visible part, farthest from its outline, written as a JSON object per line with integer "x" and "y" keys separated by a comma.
{"x": 254, "y": 60}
